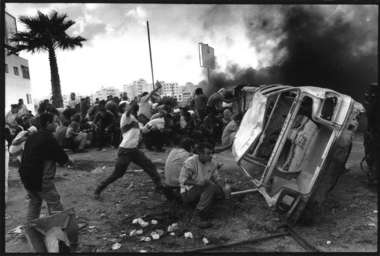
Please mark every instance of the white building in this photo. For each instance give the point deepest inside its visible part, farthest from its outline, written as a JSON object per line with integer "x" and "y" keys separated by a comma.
{"x": 131, "y": 90}
{"x": 104, "y": 92}
{"x": 187, "y": 92}
{"x": 136, "y": 88}
{"x": 17, "y": 77}
{"x": 170, "y": 89}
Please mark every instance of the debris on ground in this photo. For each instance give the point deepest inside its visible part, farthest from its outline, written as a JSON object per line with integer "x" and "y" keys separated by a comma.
{"x": 188, "y": 235}
{"x": 17, "y": 230}
{"x": 143, "y": 251}
{"x": 141, "y": 222}
{"x": 139, "y": 232}
{"x": 145, "y": 239}
{"x": 116, "y": 246}
{"x": 133, "y": 232}
{"x": 205, "y": 241}
{"x": 97, "y": 170}
{"x": 173, "y": 227}
{"x": 328, "y": 242}
{"x": 154, "y": 222}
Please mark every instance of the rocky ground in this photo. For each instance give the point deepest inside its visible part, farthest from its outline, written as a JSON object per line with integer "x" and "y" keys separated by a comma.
{"x": 348, "y": 222}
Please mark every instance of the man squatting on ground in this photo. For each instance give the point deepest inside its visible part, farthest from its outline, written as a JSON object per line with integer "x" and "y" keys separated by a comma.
{"x": 128, "y": 152}
{"x": 201, "y": 183}
{"x": 38, "y": 167}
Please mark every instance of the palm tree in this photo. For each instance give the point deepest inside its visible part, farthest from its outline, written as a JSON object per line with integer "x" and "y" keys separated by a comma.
{"x": 47, "y": 33}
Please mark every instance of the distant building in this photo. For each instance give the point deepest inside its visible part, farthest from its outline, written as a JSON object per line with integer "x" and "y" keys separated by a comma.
{"x": 104, "y": 92}
{"x": 137, "y": 88}
{"x": 131, "y": 90}
{"x": 187, "y": 92}
{"x": 170, "y": 89}
{"x": 17, "y": 77}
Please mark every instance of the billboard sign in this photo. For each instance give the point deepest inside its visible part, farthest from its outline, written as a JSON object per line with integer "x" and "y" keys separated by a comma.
{"x": 206, "y": 56}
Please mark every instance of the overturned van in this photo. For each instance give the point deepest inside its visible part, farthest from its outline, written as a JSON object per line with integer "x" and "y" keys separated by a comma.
{"x": 293, "y": 143}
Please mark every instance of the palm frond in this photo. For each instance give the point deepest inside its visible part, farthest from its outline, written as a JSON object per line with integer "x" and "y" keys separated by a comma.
{"x": 44, "y": 31}
{"x": 69, "y": 42}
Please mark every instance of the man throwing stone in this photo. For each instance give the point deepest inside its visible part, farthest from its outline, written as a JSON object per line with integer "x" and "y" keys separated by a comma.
{"x": 128, "y": 152}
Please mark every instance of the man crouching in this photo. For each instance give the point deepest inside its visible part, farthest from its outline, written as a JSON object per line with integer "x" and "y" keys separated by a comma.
{"x": 200, "y": 183}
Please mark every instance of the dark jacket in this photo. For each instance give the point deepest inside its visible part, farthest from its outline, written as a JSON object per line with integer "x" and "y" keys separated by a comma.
{"x": 39, "y": 147}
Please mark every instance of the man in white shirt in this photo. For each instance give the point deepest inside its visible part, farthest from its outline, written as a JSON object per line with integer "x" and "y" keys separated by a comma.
{"x": 145, "y": 106}
{"x": 153, "y": 134}
{"x": 128, "y": 152}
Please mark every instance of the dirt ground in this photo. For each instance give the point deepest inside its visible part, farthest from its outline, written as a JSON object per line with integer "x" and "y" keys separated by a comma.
{"x": 348, "y": 222}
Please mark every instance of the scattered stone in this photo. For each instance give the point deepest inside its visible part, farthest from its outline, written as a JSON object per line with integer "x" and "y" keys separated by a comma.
{"x": 104, "y": 167}
{"x": 155, "y": 235}
{"x": 139, "y": 232}
{"x": 154, "y": 222}
{"x": 173, "y": 227}
{"x": 145, "y": 239}
{"x": 116, "y": 246}
{"x": 371, "y": 224}
{"x": 188, "y": 235}
{"x": 97, "y": 170}
{"x": 133, "y": 232}
{"x": 143, "y": 251}
{"x": 141, "y": 222}
{"x": 205, "y": 241}
{"x": 139, "y": 170}
{"x": 17, "y": 230}
{"x": 172, "y": 233}
{"x": 91, "y": 227}
{"x": 375, "y": 211}
{"x": 328, "y": 242}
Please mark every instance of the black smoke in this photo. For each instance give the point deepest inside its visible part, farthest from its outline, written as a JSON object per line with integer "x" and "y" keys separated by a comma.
{"x": 336, "y": 51}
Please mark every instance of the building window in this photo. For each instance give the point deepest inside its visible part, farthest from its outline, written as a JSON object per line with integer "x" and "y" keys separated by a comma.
{"x": 28, "y": 98}
{"x": 25, "y": 72}
{"x": 6, "y": 68}
{"x": 15, "y": 71}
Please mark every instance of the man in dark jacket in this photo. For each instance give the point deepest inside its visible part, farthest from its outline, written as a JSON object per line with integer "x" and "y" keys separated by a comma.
{"x": 38, "y": 167}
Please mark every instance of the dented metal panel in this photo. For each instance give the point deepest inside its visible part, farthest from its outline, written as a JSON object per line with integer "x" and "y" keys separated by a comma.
{"x": 287, "y": 139}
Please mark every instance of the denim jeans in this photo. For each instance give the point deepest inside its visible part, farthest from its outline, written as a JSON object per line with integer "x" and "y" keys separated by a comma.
{"x": 125, "y": 156}
{"x": 203, "y": 195}
{"x": 49, "y": 194}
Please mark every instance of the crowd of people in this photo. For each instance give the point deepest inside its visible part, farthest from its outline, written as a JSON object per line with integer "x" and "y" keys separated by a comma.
{"x": 193, "y": 132}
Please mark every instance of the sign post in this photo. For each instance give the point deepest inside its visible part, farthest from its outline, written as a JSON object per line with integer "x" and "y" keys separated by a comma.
{"x": 150, "y": 53}
{"x": 206, "y": 58}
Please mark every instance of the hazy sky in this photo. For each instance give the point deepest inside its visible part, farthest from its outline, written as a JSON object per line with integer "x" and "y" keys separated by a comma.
{"x": 117, "y": 53}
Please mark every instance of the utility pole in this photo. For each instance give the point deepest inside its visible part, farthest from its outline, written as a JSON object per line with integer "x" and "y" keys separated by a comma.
{"x": 150, "y": 53}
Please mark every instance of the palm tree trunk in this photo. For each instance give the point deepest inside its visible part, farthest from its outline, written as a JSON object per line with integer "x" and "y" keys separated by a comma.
{"x": 55, "y": 82}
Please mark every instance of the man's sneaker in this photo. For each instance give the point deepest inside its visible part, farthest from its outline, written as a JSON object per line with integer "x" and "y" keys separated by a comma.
{"x": 200, "y": 222}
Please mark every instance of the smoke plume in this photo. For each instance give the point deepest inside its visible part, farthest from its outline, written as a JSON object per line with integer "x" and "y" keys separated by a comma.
{"x": 320, "y": 46}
